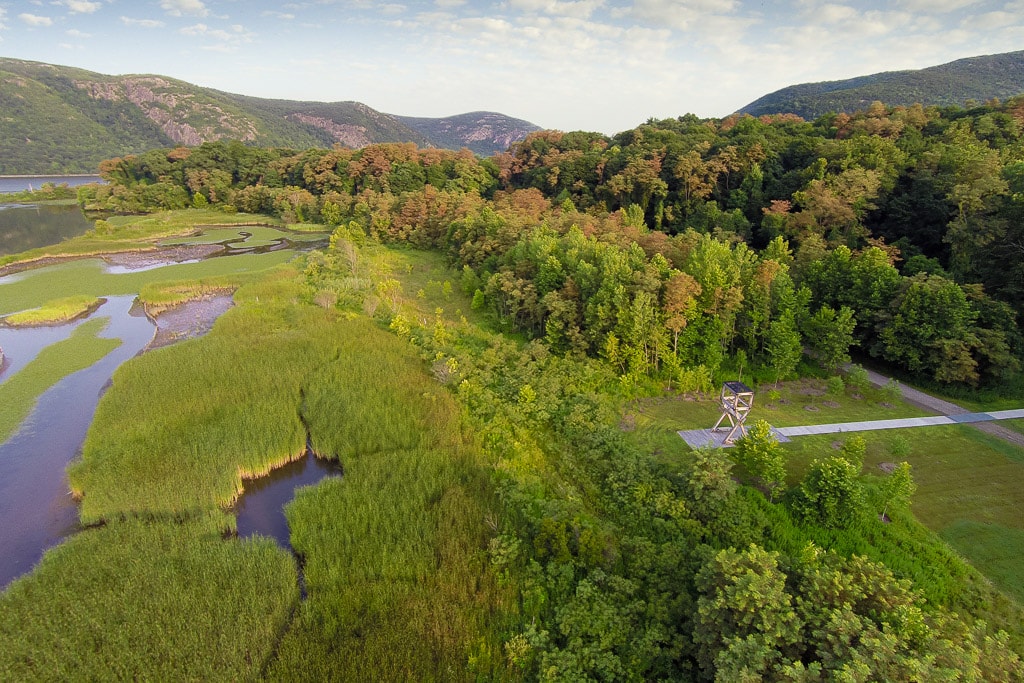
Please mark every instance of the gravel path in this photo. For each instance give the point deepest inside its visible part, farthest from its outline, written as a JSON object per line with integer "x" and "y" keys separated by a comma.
{"x": 929, "y": 402}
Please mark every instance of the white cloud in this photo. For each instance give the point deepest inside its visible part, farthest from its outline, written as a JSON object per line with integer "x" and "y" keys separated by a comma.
{"x": 227, "y": 41}
{"x": 680, "y": 14}
{"x": 286, "y": 16}
{"x": 80, "y": 6}
{"x": 449, "y": 4}
{"x": 75, "y": 33}
{"x": 144, "y": 23}
{"x": 942, "y": 6}
{"x": 178, "y": 8}
{"x": 3, "y": 15}
{"x": 580, "y": 9}
{"x": 35, "y": 20}
{"x": 991, "y": 21}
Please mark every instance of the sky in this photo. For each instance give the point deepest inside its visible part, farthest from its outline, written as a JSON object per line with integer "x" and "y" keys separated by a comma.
{"x": 595, "y": 65}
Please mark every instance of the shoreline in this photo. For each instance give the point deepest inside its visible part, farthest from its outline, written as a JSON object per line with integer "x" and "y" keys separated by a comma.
{"x": 47, "y": 175}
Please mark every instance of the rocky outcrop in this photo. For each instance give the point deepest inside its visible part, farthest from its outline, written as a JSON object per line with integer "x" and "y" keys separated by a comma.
{"x": 346, "y": 134}
{"x": 173, "y": 110}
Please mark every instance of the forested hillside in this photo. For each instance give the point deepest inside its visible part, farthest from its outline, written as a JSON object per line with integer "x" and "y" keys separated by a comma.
{"x": 976, "y": 78}
{"x": 59, "y": 119}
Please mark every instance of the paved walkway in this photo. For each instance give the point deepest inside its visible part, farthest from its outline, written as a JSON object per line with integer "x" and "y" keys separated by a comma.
{"x": 697, "y": 438}
{"x": 929, "y": 402}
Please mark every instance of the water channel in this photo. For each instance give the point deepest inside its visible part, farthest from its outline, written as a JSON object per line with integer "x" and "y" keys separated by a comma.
{"x": 36, "y": 509}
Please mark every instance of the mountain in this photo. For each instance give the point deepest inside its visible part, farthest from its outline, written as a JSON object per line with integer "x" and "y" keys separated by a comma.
{"x": 484, "y": 132}
{"x": 59, "y": 119}
{"x": 975, "y": 78}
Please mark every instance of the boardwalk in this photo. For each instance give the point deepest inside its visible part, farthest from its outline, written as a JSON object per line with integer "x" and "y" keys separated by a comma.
{"x": 697, "y": 438}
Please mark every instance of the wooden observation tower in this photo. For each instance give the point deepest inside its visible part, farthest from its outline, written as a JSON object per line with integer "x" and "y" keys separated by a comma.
{"x": 737, "y": 400}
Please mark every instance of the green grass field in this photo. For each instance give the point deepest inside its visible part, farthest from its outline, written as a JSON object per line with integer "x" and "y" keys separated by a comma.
{"x": 135, "y": 233}
{"x": 254, "y": 236}
{"x": 19, "y": 393}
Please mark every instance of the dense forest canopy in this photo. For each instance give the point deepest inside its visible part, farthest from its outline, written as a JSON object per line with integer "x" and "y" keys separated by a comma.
{"x": 671, "y": 247}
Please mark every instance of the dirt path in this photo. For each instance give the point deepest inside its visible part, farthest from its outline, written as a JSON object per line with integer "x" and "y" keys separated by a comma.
{"x": 929, "y": 402}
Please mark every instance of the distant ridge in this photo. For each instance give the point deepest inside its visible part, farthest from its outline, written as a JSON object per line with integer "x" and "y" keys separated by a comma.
{"x": 974, "y": 78}
{"x": 484, "y": 132}
{"x": 60, "y": 119}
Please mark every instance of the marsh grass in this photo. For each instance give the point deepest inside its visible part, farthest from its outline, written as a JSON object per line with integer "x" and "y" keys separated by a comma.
{"x": 88, "y": 277}
{"x": 158, "y": 297}
{"x": 248, "y": 236}
{"x": 55, "y": 311}
{"x": 394, "y": 551}
{"x": 136, "y": 233}
{"x": 20, "y": 392}
{"x": 147, "y": 600}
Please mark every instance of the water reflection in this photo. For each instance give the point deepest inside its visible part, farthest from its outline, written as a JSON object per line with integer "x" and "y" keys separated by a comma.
{"x": 260, "y": 510}
{"x": 36, "y": 511}
{"x": 27, "y": 226}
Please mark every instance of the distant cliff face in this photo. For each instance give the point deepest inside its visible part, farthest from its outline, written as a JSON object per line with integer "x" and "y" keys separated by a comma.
{"x": 181, "y": 115}
{"x": 59, "y": 119}
{"x": 482, "y": 132}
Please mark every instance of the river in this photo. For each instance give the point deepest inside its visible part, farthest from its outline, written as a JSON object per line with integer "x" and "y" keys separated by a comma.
{"x": 20, "y": 183}
{"x": 27, "y": 226}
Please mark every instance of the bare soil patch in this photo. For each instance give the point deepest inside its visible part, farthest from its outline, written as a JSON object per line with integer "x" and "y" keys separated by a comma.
{"x": 189, "y": 320}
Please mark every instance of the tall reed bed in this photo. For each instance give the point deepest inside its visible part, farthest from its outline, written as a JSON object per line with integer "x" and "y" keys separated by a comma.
{"x": 139, "y": 600}
{"x": 183, "y": 425}
{"x": 19, "y": 393}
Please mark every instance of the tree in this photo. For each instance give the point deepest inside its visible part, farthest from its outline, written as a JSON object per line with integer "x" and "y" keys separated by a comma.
{"x": 760, "y": 452}
{"x": 782, "y": 344}
{"x": 745, "y": 622}
{"x": 899, "y": 486}
{"x": 830, "y": 494}
{"x": 931, "y": 330}
{"x": 829, "y": 334}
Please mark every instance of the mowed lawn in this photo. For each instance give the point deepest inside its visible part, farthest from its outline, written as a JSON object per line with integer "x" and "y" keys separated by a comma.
{"x": 970, "y": 484}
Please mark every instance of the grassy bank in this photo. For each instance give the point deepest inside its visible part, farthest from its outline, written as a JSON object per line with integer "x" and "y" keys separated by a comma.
{"x": 55, "y": 311}
{"x": 89, "y": 277}
{"x": 19, "y": 393}
{"x": 140, "y": 600}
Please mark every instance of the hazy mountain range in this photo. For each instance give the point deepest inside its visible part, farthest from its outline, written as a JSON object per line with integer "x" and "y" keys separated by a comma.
{"x": 58, "y": 119}
{"x": 975, "y": 78}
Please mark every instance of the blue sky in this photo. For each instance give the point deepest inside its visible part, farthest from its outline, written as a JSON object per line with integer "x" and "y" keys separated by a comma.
{"x": 601, "y": 65}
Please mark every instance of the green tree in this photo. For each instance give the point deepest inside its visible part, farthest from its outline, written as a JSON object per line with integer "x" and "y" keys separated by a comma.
{"x": 831, "y": 493}
{"x": 829, "y": 334}
{"x": 782, "y": 345}
{"x": 760, "y": 452}
{"x": 745, "y": 624}
{"x": 899, "y": 486}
